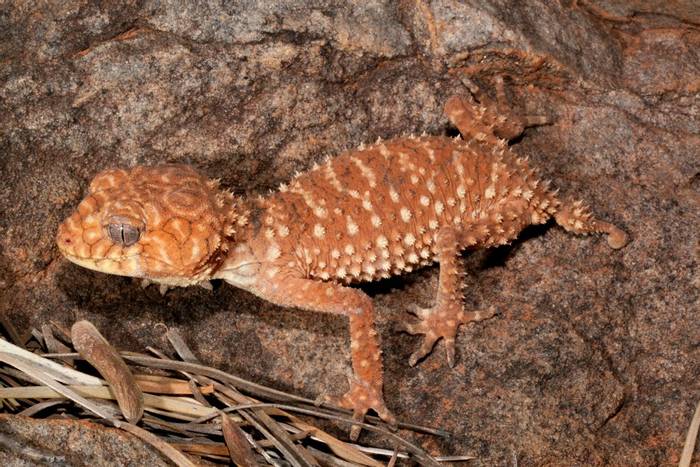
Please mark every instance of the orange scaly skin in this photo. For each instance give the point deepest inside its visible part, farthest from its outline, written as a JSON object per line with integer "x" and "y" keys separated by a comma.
{"x": 367, "y": 214}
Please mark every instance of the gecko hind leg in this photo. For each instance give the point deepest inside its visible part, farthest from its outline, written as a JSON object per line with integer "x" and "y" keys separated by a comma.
{"x": 485, "y": 119}
{"x": 442, "y": 320}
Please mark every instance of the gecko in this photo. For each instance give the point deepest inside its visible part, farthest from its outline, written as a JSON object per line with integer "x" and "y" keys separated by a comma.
{"x": 381, "y": 210}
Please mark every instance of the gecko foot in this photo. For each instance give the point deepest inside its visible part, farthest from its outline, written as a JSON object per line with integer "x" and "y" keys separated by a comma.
{"x": 441, "y": 322}
{"x": 362, "y": 397}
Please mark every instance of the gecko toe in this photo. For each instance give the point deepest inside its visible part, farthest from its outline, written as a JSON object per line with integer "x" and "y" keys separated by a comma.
{"x": 442, "y": 323}
{"x": 411, "y": 328}
{"x": 362, "y": 397}
{"x": 425, "y": 348}
{"x": 358, "y": 416}
{"x": 417, "y": 311}
{"x": 450, "y": 351}
{"x": 479, "y": 315}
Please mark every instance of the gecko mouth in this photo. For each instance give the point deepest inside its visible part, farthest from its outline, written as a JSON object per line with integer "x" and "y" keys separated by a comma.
{"x": 123, "y": 266}
{"x": 127, "y": 265}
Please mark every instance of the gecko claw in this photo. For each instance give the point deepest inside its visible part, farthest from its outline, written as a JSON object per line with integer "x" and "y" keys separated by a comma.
{"x": 450, "y": 352}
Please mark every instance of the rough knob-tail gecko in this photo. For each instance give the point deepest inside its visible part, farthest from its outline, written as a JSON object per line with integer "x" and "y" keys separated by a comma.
{"x": 367, "y": 214}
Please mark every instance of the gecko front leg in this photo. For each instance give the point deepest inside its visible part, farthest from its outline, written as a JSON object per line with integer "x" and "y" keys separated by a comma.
{"x": 366, "y": 384}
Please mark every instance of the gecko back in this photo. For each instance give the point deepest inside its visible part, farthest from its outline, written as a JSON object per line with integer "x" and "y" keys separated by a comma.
{"x": 376, "y": 211}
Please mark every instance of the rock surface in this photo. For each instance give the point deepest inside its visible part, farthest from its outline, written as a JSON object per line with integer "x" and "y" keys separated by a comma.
{"x": 594, "y": 358}
{"x": 29, "y": 442}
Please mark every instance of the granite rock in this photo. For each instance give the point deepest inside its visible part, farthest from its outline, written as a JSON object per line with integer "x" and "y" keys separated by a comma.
{"x": 594, "y": 357}
{"x": 63, "y": 442}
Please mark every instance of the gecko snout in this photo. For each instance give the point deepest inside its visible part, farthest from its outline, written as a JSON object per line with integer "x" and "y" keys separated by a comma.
{"x": 64, "y": 240}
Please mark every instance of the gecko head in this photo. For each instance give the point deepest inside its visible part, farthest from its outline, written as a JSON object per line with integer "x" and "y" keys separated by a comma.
{"x": 167, "y": 223}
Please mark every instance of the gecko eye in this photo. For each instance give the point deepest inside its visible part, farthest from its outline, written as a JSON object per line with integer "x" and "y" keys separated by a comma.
{"x": 122, "y": 233}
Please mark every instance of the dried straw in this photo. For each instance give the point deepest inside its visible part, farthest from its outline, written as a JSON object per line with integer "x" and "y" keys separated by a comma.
{"x": 190, "y": 411}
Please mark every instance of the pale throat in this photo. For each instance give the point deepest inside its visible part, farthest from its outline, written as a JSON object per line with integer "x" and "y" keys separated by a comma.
{"x": 243, "y": 262}
{"x": 241, "y": 266}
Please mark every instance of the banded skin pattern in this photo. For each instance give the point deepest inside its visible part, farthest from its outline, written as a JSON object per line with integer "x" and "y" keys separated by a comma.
{"x": 367, "y": 214}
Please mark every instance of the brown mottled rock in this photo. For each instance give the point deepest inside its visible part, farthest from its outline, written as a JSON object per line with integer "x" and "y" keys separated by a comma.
{"x": 594, "y": 357}
{"x": 27, "y": 442}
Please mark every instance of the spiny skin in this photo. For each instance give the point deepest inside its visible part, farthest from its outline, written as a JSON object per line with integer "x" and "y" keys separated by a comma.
{"x": 367, "y": 214}
{"x": 378, "y": 211}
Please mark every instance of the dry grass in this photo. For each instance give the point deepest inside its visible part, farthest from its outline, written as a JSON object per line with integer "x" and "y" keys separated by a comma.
{"x": 188, "y": 411}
